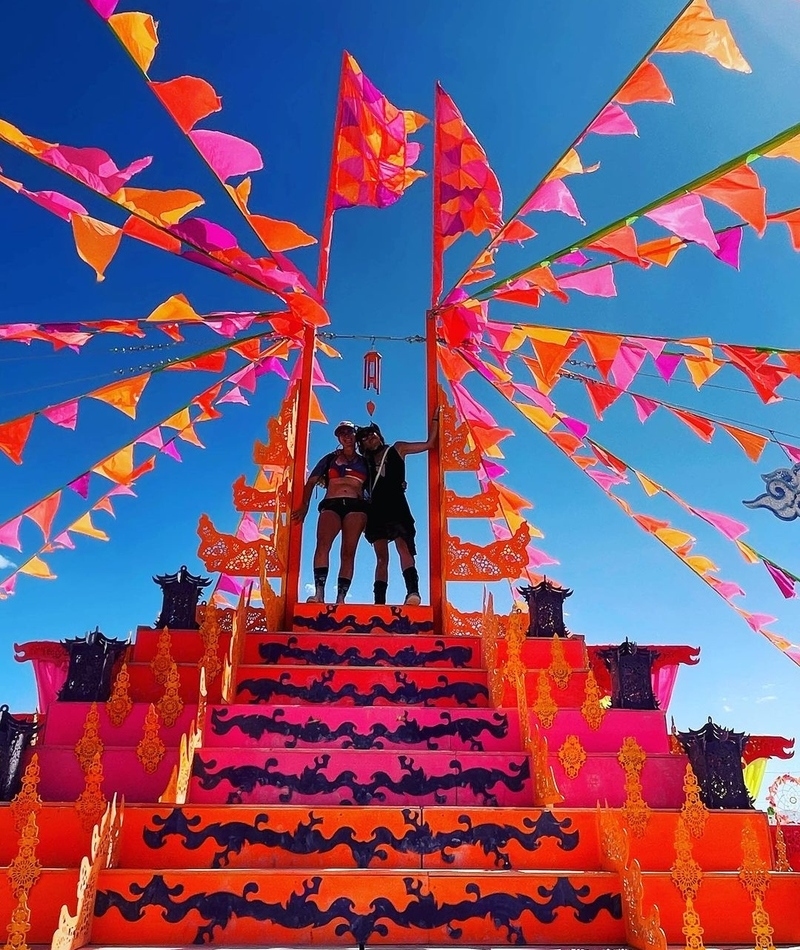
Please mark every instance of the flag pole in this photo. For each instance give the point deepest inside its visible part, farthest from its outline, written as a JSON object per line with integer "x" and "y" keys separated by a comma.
{"x": 302, "y": 420}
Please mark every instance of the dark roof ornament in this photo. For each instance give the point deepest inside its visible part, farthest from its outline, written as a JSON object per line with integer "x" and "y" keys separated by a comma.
{"x": 15, "y": 736}
{"x": 546, "y": 609}
{"x": 181, "y": 594}
{"x": 715, "y": 754}
{"x": 91, "y": 666}
{"x": 631, "y": 670}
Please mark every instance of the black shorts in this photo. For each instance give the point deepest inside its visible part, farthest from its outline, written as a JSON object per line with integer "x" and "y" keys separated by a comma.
{"x": 344, "y": 506}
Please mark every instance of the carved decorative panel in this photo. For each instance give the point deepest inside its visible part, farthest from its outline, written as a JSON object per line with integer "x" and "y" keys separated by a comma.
{"x": 497, "y": 560}
{"x": 229, "y": 555}
{"x": 485, "y": 504}
{"x": 456, "y": 455}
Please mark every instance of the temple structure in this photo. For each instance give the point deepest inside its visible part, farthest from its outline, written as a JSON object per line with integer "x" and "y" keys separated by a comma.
{"x": 293, "y": 774}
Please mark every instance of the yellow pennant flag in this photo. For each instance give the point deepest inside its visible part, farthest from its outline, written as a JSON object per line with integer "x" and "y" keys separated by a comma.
{"x": 697, "y": 30}
{"x": 647, "y": 484}
{"x": 119, "y": 467}
{"x": 541, "y": 419}
{"x": 189, "y": 435}
{"x": 84, "y": 526}
{"x": 162, "y": 207}
{"x": 747, "y": 552}
{"x": 176, "y": 308}
{"x": 180, "y": 420}
{"x": 124, "y": 395}
{"x": 138, "y": 33}
{"x": 700, "y": 369}
{"x": 95, "y": 241}
{"x": 315, "y": 410}
{"x": 673, "y": 538}
{"x": 701, "y": 564}
{"x": 36, "y": 567}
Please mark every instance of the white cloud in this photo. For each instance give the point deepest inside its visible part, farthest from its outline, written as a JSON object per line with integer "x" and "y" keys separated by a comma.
{"x": 4, "y": 563}
{"x": 727, "y": 708}
{"x": 766, "y": 699}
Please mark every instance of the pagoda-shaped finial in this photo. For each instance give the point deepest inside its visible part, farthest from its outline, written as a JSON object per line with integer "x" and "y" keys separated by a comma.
{"x": 15, "y": 737}
{"x": 546, "y": 609}
{"x": 181, "y": 593}
{"x": 716, "y": 757}
{"x": 91, "y": 666}
{"x": 630, "y": 667}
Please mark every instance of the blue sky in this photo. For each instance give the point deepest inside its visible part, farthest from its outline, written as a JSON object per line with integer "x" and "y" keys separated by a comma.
{"x": 527, "y": 79}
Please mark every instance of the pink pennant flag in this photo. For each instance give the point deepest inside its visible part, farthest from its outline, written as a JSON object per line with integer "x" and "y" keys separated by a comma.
{"x": 666, "y": 364}
{"x": 8, "y": 586}
{"x": 791, "y": 450}
{"x": 63, "y": 541}
{"x": 613, "y": 120}
{"x": 65, "y": 414}
{"x": 730, "y": 527}
{"x": 248, "y": 529}
{"x": 553, "y": 196}
{"x": 598, "y": 282}
{"x": 493, "y": 469}
{"x": 235, "y": 395}
{"x": 784, "y": 582}
{"x": 686, "y": 218}
{"x": 726, "y": 589}
{"x": 606, "y": 480}
{"x": 53, "y": 201}
{"x": 230, "y": 585}
{"x": 469, "y": 408}
{"x": 104, "y": 7}
{"x": 231, "y": 325}
{"x": 537, "y": 398}
{"x": 538, "y": 559}
{"x": 227, "y": 155}
{"x": 627, "y": 364}
{"x": 271, "y": 365}
{"x": 171, "y": 450}
{"x": 575, "y": 258}
{"x": 121, "y": 490}
{"x": 9, "y": 533}
{"x": 206, "y": 234}
{"x": 152, "y": 437}
{"x": 81, "y": 484}
{"x": 730, "y": 244}
{"x": 246, "y": 378}
{"x": 644, "y": 407}
{"x": 653, "y": 347}
{"x": 93, "y": 167}
{"x": 575, "y": 426}
{"x": 757, "y": 621}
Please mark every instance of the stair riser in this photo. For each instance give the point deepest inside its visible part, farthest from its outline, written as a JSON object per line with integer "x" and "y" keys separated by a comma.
{"x": 316, "y": 649}
{"x": 298, "y": 837}
{"x": 602, "y": 779}
{"x": 62, "y": 779}
{"x": 361, "y": 778}
{"x": 377, "y": 727}
{"x": 295, "y": 908}
{"x": 65, "y": 725}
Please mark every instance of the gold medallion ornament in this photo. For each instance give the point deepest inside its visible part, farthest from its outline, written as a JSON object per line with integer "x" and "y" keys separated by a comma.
{"x": 119, "y": 704}
{"x": 19, "y": 925}
{"x": 592, "y": 709}
{"x": 151, "y": 749}
{"x": 490, "y": 631}
{"x": 91, "y": 802}
{"x": 27, "y": 798}
{"x": 559, "y": 668}
{"x": 170, "y": 706}
{"x": 572, "y": 756}
{"x": 632, "y": 758}
{"x": 754, "y": 878}
{"x": 686, "y": 875}
{"x": 209, "y": 631}
{"x": 90, "y": 744}
{"x": 162, "y": 660}
{"x": 781, "y": 858}
{"x": 544, "y": 705}
{"x": 693, "y": 811}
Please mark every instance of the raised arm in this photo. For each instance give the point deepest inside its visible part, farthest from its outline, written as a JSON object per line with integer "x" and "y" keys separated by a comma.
{"x": 412, "y": 448}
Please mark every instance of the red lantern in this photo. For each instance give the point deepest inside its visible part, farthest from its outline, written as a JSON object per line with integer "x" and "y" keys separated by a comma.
{"x": 372, "y": 371}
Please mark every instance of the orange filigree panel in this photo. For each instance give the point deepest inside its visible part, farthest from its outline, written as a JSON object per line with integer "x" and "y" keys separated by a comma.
{"x": 460, "y": 624}
{"x": 247, "y": 498}
{"x": 277, "y": 451}
{"x": 486, "y": 504}
{"x": 498, "y": 560}
{"x": 457, "y": 452}
{"x": 230, "y": 555}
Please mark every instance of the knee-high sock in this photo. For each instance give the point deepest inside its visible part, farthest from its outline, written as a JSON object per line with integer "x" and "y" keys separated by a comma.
{"x": 411, "y": 577}
{"x": 379, "y": 590}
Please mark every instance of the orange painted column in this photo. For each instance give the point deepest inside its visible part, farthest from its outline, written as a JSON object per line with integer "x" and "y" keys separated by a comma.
{"x": 299, "y": 465}
{"x": 436, "y": 519}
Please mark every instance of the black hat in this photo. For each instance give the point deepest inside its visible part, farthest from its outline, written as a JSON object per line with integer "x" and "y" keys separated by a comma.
{"x": 363, "y": 431}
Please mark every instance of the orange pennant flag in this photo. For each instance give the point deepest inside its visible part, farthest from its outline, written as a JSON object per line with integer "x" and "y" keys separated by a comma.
{"x": 700, "y": 426}
{"x": 701, "y": 369}
{"x": 143, "y": 231}
{"x": 276, "y": 235}
{"x": 790, "y": 149}
{"x": 189, "y": 435}
{"x": 105, "y": 505}
{"x": 741, "y": 192}
{"x": 188, "y": 99}
{"x": 566, "y": 441}
{"x": 179, "y": 420}
{"x": 14, "y": 435}
{"x": 552, "y": 348}
{"x": 162, "y": 207}
{"x": 118, "y": 468}
{"x": 752, "y": 444}
{"x": 124, "y": 395}
{"x": 95, "y": 241}
{"x": 176, "y": 308}
{"x": 603, "y": 347}
{"x": 662, "y": 251}
{"x": 36, "y": 567}
{"x": 84, "y": 526}
{"x": 43, "y": 512}
{"x": 138, "y": 33}
{"x": 212, "y": 362}
{"x": 315, "y": 410}
{"x": 645, "y": 85}
{"x": 698, "y": 31}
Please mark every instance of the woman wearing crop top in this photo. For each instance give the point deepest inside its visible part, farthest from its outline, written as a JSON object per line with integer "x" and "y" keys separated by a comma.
{"x": 344, "y": 508}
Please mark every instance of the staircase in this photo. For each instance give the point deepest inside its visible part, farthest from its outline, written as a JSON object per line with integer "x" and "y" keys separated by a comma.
{"x": 360, "y": 790}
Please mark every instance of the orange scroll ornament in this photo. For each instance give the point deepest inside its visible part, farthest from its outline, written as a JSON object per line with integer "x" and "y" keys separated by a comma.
{"x": 486, "y": 504}
{"x": 458, "y": 453}
{"x": 496, "y": 561}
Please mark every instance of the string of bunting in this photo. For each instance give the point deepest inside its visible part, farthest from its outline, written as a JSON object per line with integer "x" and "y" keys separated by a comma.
{"x": 119, "y": 466}
{"x": 125, "y": 394}
{"x": 612, "y": 472}
{"x": 695, "y": 29}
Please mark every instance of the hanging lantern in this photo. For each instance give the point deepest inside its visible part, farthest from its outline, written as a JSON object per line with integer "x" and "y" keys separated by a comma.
{"x": 370, "y": 408}
{"x": 372, "y": 371}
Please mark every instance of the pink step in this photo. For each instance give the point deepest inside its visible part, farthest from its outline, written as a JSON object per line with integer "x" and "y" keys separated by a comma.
{"x": 62, "y": 779}
{"x": 649, "y": 727}
{"x": 602, "y": 779}
{"x": 65, "y": 723}
{"x": 370, "y": 727}
{"x": 344, "y": 776}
